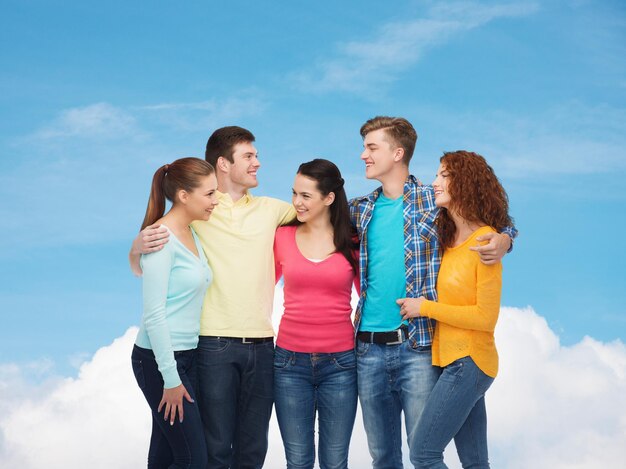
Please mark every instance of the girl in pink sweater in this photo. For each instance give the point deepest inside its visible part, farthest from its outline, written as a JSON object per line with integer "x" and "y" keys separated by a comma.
{"x": 314, "y": 361}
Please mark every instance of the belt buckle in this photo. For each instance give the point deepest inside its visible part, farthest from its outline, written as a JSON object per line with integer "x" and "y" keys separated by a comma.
{"x": 244, "y": 340}
{"x": 399, "y": 340}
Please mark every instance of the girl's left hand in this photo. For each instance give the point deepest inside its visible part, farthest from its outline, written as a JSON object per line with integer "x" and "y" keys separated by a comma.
{"x": 410, "y": 307}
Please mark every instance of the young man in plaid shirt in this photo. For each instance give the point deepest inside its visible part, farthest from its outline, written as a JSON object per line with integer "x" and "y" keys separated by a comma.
{"x": 399, "y": 260}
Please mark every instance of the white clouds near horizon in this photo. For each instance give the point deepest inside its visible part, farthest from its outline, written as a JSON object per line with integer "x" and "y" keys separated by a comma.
{"x": 551, "y": 407}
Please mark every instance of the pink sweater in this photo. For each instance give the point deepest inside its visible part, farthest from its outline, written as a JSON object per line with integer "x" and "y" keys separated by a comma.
{"x": 317, "y": 298}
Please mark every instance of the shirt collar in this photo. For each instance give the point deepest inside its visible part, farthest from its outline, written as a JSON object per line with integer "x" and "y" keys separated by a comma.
{"x": 225, "y": 199}
{"x": 410, "y": 183}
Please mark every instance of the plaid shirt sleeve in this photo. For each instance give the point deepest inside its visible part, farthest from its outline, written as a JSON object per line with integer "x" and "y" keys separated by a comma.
{"x": 512, "y": 232}
{"x": 357, "y": 207}
{"x": 422, "y": 254}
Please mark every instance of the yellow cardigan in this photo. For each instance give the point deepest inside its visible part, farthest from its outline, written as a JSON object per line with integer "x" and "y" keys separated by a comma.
{"x": 468, "y": 307}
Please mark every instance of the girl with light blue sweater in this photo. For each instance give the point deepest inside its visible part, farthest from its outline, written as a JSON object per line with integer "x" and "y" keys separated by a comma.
{"x": 175, "y": 279}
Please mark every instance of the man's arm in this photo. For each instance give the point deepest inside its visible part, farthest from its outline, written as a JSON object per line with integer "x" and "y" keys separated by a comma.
{"x": 499, "y": 244}
{"x": 152, "y": 238}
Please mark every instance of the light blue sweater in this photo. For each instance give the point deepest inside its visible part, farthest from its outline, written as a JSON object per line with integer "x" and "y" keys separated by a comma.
{"x": 174, "y": 284}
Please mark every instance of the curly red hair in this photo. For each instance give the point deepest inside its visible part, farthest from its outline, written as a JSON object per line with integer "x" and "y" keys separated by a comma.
{"x": 475, "y": 192}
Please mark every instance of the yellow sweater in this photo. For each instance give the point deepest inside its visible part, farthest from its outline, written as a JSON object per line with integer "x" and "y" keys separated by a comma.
{"x": 468, "y": 307}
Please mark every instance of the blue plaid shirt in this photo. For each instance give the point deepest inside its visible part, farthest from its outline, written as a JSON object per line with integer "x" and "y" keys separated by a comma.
{"x": 422, "y": 252}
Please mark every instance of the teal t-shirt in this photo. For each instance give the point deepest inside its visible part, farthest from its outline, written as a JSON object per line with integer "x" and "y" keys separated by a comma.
{"x": 386, "y": 279}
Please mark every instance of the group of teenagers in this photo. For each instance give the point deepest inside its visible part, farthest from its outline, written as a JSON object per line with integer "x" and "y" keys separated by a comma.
{"x": 425, "y": 261}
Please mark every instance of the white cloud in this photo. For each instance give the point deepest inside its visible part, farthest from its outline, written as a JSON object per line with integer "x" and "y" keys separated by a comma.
{"x": 96, "y": 163}
{"x": 551, "y": 407}
{"x": 555, "y": 406}
{"x": 99, "y": 120}
{"x": 205, "y": 115}
{"x": 362, "y": 66}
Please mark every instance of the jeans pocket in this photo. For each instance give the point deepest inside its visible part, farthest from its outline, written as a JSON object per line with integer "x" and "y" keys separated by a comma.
{"x": 362, "y": 348}
{"x": 345, "y": 360}
{"x": 456, "y": 367}
{"x": 281, "y": 358}
{"x": 138, "y": 372}
{"x": 421, "y": 349}
{"x": 212, "y": 345}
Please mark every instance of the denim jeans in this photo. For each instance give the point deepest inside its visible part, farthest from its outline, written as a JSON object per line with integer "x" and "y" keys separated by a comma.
{"x": 171, "y": 446}
{"x": 455, "y": 409}
{"x": 393, "y": 379}
{"x": 235, "y": 395}
{"x": 308, "y": 382}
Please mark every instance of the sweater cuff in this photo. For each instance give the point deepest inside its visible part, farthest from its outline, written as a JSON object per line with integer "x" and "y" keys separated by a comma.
{"x": 428, "y": 308}
{"x": 171, "y": 378}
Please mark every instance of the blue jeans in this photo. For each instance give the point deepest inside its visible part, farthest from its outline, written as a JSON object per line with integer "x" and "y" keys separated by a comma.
{"x": 455, "y": 409}
{"x": 235, "y": 395}
{"x": 393, "y": 379}
{"x": 171, "y": 446}
{"x": 308, "y": 382}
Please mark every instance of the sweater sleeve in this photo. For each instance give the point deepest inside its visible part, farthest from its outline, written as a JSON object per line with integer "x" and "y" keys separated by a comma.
{"x": 156, "y": 273}
{"x": 481, "y": 316}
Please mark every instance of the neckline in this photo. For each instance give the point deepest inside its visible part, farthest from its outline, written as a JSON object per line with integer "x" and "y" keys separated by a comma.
{"x": 195, "y": 241}
{"x": 469, "y": 238}
{"x": 295, "y": 242}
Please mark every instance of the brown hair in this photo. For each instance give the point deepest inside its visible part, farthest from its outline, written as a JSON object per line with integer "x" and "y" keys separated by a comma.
{"x": 184, "y": 173}
{"x": 328, "y": 179}
{"x": 222, "y": 143}
{"x": 399, "y": 130}
{"x": 475, "y": 194}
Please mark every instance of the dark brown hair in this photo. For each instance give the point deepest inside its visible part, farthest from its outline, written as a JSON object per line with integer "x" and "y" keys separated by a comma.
{"x": 475, "y": 194}
{"x": 222, "y": 143}
{"x": 399, "y": 131}
{"x": 328, "y": 179}
{"x": 184, "y": 173}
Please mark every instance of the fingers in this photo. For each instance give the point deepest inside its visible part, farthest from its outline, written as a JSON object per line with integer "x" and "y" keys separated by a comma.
{"x": 168, "y": 413}
{"x": 155, "y": 237}
{"x": 400, "y": 301}
{"x": 170, "y": 410}
{"x": 488, "y": 255}
{"x": 486, "y": 237}
{"x": 154, "y": 240}
{"x": 173, "y": 405}
{"x": 489, "y": 261}
{"x": 485, "y": 248}
{"x": 179, "y": 406}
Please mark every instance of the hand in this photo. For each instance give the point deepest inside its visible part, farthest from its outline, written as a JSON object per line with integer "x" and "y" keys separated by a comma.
{"x": 173, "y": 401}
{"x": 152, "y": 238}
{"x": 410, "y": 307}
{"x": 492, "y": 252}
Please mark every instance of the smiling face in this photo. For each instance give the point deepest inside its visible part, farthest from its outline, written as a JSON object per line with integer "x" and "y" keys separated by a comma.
{"x": 243, "y": 169}
{"x": 308, "y": 201}
{"x": 201, "y": 201}
{"x": 440, "y": 184}
{"x": 380, "y": 155}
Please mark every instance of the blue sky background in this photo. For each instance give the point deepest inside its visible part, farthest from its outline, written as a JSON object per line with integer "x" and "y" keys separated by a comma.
{"x": 94, "y": 97}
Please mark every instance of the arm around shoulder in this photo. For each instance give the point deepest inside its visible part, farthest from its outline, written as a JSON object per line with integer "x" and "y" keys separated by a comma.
{"x": 151, "y": 239}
